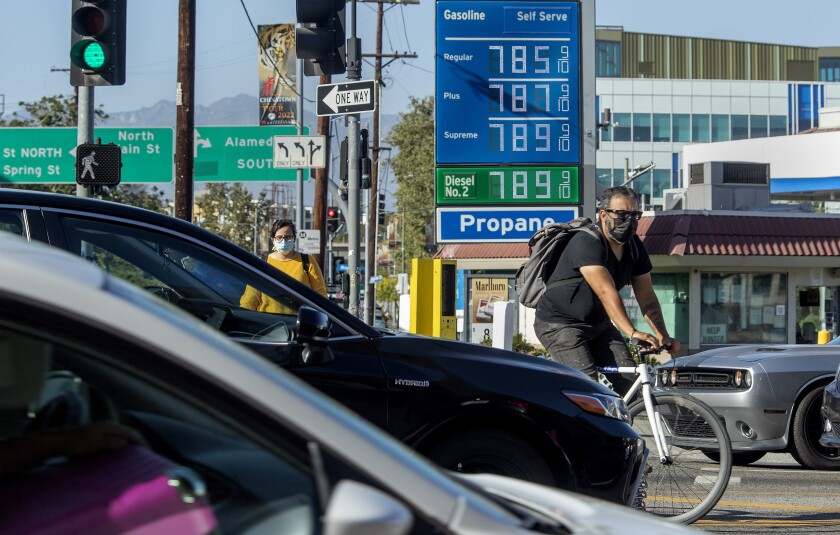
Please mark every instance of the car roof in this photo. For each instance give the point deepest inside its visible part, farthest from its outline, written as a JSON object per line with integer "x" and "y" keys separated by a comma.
{"x": 53, "y": 278}
{"x": 141, "y": 215}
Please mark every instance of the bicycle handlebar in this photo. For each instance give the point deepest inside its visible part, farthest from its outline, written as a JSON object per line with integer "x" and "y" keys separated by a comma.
{"x": 646, "y": 349}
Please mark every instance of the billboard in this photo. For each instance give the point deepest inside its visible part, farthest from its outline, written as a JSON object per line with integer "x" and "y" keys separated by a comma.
{"x": 277, "y": 60}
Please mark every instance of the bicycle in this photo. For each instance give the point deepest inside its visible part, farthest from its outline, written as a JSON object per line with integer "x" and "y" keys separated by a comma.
{"x": 681, "y": 483}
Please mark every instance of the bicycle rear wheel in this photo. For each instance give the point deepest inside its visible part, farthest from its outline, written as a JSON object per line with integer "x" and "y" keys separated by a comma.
{"x": 687, "y": 485}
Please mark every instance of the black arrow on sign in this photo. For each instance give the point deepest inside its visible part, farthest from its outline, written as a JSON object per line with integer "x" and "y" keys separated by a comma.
{"x": 312, "y": 148}
{"x": 283, "y": 146}
{"x": 302, "y": 150}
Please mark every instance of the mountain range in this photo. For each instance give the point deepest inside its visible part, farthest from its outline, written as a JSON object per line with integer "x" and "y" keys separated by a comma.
{"x": 241, "y": 110}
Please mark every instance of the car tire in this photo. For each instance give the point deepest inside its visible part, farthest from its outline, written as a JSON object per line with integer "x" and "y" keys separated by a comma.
{"x": 492, "y": 451}
{"x": 739, "y": 458}
{"x": 807, "y": 428}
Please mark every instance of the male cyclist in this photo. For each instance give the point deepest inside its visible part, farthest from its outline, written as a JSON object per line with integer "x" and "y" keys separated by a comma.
{"x": 580, "y": 318}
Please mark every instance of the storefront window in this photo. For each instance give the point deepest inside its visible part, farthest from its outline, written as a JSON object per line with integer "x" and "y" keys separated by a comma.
{"x": 672, "y": 291}
{"x": 743, "y": 308}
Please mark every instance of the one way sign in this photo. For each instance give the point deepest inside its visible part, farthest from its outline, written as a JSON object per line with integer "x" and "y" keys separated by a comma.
{"x": 344, "y": 98}
{"x": 299, "y": 152}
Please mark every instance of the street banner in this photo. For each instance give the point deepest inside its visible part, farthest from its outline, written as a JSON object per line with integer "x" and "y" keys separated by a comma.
{"x": 277, "y": 60}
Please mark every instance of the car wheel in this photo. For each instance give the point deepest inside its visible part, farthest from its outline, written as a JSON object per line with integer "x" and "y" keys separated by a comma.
{"x": 741, "y": 458}
{"x": 491, "y": 451}
{"x": 807, "y": 428}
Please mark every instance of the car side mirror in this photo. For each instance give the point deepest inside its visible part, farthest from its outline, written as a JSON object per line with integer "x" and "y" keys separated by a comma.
{"x": 313, "y": 331}
{"x": 357, "y": 508}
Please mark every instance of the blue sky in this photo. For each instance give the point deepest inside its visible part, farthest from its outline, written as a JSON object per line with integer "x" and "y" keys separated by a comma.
{"x": 226, "y": 61}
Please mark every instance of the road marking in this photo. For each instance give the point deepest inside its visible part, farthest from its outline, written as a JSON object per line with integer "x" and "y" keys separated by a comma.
{"x": 768, "y": 523}
{"x": 706, "y": 480}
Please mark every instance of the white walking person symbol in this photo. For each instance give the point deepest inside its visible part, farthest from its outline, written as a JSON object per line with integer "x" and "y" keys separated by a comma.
{"x": 89, "y": 161}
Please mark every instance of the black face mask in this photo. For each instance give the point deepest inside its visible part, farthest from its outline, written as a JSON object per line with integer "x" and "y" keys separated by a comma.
{"x": 622, "y": 231}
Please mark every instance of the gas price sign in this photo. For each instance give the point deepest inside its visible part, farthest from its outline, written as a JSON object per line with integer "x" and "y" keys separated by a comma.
{"x": 508, "y": 82}
{"x": 506, "y": 185}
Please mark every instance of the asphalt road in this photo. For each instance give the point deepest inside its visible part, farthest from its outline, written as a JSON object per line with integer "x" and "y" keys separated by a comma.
{"x": 777, "y": 495}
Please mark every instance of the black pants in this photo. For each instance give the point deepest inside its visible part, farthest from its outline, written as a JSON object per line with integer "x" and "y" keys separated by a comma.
{"x": 584, "y": 347}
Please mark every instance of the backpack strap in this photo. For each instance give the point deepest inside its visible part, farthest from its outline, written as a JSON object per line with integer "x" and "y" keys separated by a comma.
{"x": 305, "y": 259}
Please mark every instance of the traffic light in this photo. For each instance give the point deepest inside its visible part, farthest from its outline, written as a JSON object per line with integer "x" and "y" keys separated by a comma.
{"x": 343, "y": 169}
{"x": 332, "y": 219}
{"x": 98, "y": 164}
{"x": 321, "y": 42}
{"x": 97, "y": 42}
{"x": 364, "y": 161}
{"x": 381, "y": 209}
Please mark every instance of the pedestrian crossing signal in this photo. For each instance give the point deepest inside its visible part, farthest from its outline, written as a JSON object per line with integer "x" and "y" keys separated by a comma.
{"x": 98, "y": 164}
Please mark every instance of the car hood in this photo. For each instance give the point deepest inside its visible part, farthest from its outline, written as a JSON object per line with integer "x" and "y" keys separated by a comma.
{"x": 466, "y": 351}
{"x": 743, "y": 355}
{"x": 578, "y": 513}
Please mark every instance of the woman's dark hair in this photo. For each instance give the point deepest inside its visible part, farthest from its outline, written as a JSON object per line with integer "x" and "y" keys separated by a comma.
{"x": 617, "y": 191}
{"x": 280, "y": 223}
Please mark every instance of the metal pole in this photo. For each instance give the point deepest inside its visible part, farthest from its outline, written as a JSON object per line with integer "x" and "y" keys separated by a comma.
{"x": 354, "y": 72}
{"x": 256, "y": 213}
{"x": 85, "y": 127}
{"x": 299, "y": 115}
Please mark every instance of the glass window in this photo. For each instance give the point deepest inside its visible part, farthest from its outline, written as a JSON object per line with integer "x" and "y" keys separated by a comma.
{"x": 740, "y": 127}
{"x": 682, "y": 128}
{"x": 661, "y": 127}
{"x": 255, "y": 474}
{"x": 608, "y": 61}
{"x": 12, "y": 221}
{"x": 758, "y": 126}
{"x": 641, "y": 127}
{"x": 830, "y": 69}
{"x": 672, "y": 291}
{"x": 778, "y": 125}
{"x": 234, "y": 300}
{"x": 605, "y": 177}
{"x": 621, "y": 132}
{"x": 720, "y": 128}
{"x": 700, "y": 128}
{"x": 661, "y": 180}
{"x": 743, "y": 308}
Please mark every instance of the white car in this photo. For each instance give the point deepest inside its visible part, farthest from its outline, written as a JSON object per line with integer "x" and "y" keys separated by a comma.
{"x": 231, "y": 443}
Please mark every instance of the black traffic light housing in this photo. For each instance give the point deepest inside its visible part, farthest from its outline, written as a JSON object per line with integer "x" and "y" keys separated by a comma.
{"x": 97, "y": 42}
{"x": 343, "y": 169}
{"x": 364, "y": 160}
{"x": 381, "y": 209}
{"x": 98, "y": 164}
{"x": 321, "y": 42}
{"x": 333, "y": 219}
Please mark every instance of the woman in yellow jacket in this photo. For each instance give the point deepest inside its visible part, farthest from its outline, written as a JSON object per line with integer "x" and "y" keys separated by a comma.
{"x": 297, "y": 265}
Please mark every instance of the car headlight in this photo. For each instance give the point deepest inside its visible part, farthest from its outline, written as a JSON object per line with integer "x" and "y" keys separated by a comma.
{"x": 742, "y": 378}
{"x": 667, "y": 377}
{"x": 600, "y": 404}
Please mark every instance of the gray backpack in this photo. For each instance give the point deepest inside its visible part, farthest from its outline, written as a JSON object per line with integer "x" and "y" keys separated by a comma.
{"x": 544, "y": 250}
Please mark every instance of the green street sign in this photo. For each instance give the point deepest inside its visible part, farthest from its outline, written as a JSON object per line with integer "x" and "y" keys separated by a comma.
{"x": 240, "y": 153}
{"x": 506, "y": 185}
{"x": 48, "y": 155}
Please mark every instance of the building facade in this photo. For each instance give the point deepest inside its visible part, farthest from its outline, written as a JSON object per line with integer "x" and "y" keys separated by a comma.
{"x": 665, "y": 92}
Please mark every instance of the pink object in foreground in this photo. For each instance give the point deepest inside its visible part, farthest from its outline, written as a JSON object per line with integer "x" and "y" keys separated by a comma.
{"x": 123, "y": 491}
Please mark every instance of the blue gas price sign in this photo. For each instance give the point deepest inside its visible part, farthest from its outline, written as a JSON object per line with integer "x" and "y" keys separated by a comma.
{"x": 508, "y": 82}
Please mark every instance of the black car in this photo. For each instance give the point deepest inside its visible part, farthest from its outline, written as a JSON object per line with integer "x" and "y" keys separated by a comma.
{"x": 467, "y": 407}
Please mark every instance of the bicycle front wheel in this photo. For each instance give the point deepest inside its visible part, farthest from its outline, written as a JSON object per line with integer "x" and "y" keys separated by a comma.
{"x": 687, "y": 484}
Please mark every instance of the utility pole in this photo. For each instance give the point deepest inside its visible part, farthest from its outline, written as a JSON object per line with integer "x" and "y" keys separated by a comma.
{"x": 373, "y": 193}
{"x": 321, "y": 177}
{"x": 185, "y": 113}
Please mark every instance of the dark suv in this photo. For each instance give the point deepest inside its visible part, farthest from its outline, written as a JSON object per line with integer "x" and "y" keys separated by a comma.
{"x": 467, "y": 407}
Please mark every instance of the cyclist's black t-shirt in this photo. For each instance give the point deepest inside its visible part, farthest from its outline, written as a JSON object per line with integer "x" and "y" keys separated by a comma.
{"x": 568, "y": 298}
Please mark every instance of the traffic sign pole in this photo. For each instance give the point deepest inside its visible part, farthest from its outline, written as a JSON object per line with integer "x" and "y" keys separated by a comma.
{"x": 354, "y": 73}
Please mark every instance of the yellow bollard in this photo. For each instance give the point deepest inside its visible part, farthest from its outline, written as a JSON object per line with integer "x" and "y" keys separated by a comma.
{"x": 822, "y": 337}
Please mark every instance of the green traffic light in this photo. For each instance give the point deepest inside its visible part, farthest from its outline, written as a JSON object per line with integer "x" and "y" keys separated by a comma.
{"x": 93, "y": 56}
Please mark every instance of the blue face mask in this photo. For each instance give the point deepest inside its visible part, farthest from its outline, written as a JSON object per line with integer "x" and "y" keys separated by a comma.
{"x": 284, "y": 247}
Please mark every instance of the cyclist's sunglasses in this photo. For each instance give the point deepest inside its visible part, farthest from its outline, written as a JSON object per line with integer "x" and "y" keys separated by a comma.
{"x": 624, "y": 215}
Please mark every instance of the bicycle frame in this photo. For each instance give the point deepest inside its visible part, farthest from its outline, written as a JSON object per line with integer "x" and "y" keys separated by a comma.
{"x": 643, "y": 377}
